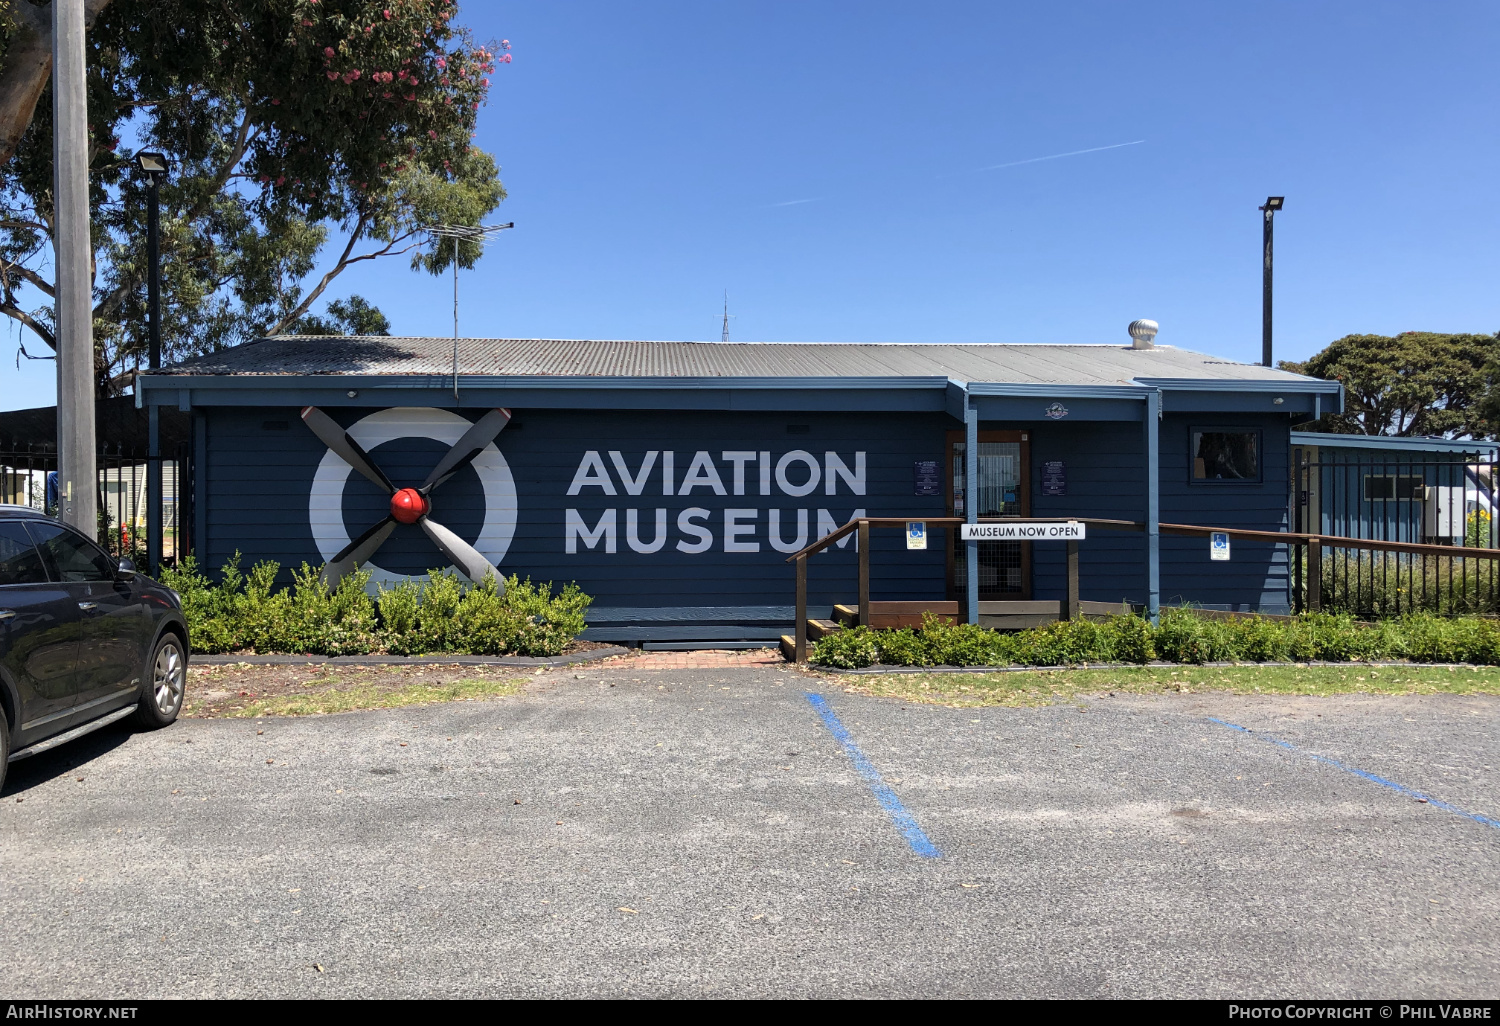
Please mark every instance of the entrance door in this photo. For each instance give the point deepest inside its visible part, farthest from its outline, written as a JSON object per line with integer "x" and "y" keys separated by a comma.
{"x": 1004, "y": 490}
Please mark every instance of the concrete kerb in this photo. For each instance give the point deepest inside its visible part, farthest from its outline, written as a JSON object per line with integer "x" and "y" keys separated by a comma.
{"x": 1130, "y": 666}
{"x": 440, "y": 659}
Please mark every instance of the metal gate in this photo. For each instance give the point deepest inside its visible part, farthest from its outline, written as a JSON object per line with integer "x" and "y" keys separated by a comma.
{"x": 28, "y": 478}
{"x": 1438, "y": 504}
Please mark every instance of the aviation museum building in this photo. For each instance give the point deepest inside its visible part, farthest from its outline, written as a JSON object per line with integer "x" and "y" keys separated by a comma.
{"x": 671, "y": 480}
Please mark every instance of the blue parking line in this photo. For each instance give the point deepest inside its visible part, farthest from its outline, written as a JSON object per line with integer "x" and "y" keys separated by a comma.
{"x": 904, "y": 820}
{"x": 1362, "y": 774}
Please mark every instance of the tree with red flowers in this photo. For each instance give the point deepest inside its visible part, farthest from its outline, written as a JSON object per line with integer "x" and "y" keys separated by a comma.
{"x": 289, "y": 123}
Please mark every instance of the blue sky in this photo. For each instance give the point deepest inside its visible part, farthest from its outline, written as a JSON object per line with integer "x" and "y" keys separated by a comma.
{"x": 834, "y": 166}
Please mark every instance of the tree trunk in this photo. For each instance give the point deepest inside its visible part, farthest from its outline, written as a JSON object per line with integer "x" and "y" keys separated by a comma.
{"x": 28, "y": 66}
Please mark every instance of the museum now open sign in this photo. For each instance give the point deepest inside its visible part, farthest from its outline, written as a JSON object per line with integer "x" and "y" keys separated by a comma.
{"x": 1024, "y": 530}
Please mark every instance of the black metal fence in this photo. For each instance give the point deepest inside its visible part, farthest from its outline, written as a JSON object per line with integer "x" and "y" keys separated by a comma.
{"x": 1417, "y": 517}
{"x": 28, "y": 478}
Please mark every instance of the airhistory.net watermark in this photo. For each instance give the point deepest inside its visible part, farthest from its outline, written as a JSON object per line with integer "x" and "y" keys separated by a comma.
{"x": 43, "y": 1010}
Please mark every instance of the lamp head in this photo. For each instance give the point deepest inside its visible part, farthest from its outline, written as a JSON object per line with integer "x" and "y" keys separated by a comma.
{"x": 1273, "y": 203}
{"x": 153, "y": 165}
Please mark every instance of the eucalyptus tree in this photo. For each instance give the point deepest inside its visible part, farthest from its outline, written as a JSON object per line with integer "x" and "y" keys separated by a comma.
{"x": 306, "y": 137}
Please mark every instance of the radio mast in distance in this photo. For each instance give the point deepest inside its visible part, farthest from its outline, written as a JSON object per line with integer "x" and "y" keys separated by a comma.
{"x": 725, "y": 336}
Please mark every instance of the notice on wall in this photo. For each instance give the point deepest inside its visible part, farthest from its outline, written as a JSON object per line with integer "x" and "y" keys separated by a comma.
{"x": 1024, "y": 530}
{"x": 928, "y": 480}
{"x": 916, "y": 534}
{"x": 1054, "y": 478}
{"x": 1218, "y": 545}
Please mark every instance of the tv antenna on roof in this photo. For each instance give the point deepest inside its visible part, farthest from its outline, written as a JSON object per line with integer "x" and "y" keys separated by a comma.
{"x": 456, "y": 232}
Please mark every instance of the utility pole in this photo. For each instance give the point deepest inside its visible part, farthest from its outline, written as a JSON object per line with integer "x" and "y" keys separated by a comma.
{"x": 77, "y": 478}
{"x": 1273, "y": 204}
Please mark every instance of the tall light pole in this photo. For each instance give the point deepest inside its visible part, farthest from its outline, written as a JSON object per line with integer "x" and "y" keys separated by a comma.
{"x": 1273, "y": 204}
{"x": 77, "y": 478}
{"x": 457, "y": 232}
{"x": 154, "y": 167}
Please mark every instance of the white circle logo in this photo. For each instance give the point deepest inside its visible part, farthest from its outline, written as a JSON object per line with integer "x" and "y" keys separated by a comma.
{"x": 325, "y": 505}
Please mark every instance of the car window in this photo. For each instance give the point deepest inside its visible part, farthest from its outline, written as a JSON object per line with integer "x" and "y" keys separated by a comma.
{"x": 70, "y": 555}
{"x": 20, "y": 562}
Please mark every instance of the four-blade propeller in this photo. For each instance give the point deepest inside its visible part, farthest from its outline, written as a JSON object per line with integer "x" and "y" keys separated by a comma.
{"x": 408, "y": 505}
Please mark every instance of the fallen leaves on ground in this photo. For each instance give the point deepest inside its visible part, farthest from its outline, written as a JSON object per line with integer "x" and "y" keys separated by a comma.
{"x": 246, "y": 690}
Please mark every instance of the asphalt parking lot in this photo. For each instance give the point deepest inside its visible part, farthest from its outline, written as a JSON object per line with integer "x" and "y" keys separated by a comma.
{"x": 710, "y": 832}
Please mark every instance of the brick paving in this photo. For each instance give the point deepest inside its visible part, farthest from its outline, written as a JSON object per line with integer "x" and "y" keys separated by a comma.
{"x": 701, "y": 659}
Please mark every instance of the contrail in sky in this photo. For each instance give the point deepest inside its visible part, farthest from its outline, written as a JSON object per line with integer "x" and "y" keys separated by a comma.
{"x": 793, "y": 203}
{"x": 1055, "y": 156}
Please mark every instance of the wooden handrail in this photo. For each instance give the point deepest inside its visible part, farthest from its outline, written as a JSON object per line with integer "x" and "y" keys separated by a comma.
{"x": 840, "y": 532}
{"x": 1336, "y": 541}
{"x": 1315, "y": 543}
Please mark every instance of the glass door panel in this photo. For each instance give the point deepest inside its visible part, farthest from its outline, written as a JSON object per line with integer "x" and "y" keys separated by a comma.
{"x": 1001, "y": 492}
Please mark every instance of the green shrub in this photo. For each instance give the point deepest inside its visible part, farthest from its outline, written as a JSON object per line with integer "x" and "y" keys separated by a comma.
{"x": 549, "y": 621}
{"x": 246, "y": 611}
{"x": 1434, "y": 639}
{"x": 1333, "y": 637}
{"x": 398, "y": 617}
{"x": 1183, "y": 636}
{"x": 1259, "y": 640}
{"x": 847, "y": 649}
{"x": 1035, "y": 647}
{"x": 904, "y": 647}
{"x": 966, "y": 644}
{"x": 1081, "y": 641}
{"x": 1133, "y": 639}
{"x": 486, "y": 623}
{"x": 204, "y": 604}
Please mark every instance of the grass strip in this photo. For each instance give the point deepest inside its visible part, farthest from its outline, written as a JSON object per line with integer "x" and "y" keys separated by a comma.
{"x": 1048, "y": 687}
{"x": 356, "y": 697}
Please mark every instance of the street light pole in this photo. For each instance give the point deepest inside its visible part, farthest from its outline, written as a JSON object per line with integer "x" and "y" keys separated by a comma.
{"x": 153, "y": 274}
{"x": 77, "y": 484}
{"x": 1273, "y": 204}
{"x": 154, "y": 167}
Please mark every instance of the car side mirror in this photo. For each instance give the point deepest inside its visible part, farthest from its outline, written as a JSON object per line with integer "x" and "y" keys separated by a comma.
{"x": 127, "y": 567}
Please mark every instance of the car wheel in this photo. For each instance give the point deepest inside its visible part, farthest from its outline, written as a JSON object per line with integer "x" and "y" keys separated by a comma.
{"x": 166, "y": 680}
{"x": 4, "y": 747}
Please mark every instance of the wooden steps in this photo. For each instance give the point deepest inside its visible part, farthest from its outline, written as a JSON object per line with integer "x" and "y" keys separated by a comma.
{"x": 897, "y": 614}
{"x": 816, "y": 630}
{"x": 789, "y": 648}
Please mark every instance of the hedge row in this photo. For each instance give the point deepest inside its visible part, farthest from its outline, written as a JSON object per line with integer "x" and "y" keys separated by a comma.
{"x": 1182, "y": 637}
{"x": 246, "y": 612}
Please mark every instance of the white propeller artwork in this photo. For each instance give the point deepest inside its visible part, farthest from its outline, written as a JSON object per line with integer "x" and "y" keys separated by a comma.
{"x": 408, "y": 505}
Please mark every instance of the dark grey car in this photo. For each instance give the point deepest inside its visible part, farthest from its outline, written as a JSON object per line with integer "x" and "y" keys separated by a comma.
{"x": 84, "y": 639}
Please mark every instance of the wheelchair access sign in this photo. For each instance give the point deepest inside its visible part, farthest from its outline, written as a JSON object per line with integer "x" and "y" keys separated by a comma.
{"x": 1218, "y": 545}
{"x": 1024, "y": 530}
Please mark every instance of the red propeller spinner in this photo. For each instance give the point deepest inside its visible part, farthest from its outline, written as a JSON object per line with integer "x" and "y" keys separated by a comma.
{"x": 408, "y": 505}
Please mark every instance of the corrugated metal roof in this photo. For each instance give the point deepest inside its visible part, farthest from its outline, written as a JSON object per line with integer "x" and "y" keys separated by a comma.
{"x": 999, "y": 362}
{"x": 1397, "y": 443}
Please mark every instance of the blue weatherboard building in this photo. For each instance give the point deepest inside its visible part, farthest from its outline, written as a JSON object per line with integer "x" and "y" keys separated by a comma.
{"x": 1429, "y": 490}
{"x": 672, "y": 479}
